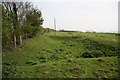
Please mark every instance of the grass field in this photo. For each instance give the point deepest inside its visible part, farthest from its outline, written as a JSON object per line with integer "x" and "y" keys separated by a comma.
{"x": 64, "y": 55}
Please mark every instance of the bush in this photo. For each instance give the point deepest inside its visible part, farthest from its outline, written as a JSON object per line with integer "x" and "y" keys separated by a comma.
{"x": 92, "y": 54}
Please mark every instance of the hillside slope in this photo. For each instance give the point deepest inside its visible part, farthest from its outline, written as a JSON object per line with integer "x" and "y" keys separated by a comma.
{"x": 64, "y": 55}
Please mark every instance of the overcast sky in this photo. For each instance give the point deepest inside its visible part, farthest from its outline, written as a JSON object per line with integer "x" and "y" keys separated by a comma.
{"x": 80, "y": 15}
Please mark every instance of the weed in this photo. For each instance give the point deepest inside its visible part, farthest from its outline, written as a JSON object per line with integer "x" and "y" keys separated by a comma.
{"x": 101, "y": 60}
{"x": 31, "y": 63}
{"x": 76, "y": 69}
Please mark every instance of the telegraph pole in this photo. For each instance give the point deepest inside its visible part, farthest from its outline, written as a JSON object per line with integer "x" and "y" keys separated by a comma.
{"x": 55, "y": 25}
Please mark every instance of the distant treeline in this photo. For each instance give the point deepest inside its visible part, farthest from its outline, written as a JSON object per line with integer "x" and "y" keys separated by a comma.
{"x": 87, "y": 32}
{"x": 20, "y": 20}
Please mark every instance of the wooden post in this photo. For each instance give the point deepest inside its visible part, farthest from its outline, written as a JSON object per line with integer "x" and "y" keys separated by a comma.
{"x": 21, "y": 40}
{"x": 14, "y": 41}
{"x": 118, "y": 24}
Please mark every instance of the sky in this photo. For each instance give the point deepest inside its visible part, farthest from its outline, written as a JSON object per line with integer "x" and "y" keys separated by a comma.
{"x": 80, "y": 15}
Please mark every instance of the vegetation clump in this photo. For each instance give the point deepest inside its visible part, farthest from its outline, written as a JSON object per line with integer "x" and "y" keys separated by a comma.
{"x": 92, "y": 54}
{"x": 31, "y": 63}
{"x": 101, "y": 60}
{"x": 8, "y": 69}
{"x": 76, "y": 69}
{"x": 69, "y": 60}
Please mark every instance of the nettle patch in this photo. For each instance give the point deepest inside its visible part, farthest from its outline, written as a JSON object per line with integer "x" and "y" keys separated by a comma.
{"x": 92, "y": 54}
{"x": 94, "y": 47}
{"x": 55, "y": 54}
{"x": 41, "y": 57}
{"x": 68, "y": 43}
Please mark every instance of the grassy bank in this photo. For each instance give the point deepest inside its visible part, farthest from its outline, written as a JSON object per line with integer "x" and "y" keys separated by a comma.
{"x": 64, "y": 55}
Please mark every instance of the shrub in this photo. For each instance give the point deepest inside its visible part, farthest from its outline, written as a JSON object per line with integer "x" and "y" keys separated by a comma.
{"x": 92, "y": 54}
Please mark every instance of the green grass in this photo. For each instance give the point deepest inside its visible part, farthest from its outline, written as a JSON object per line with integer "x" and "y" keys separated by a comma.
{"x": 59, "y": 56}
